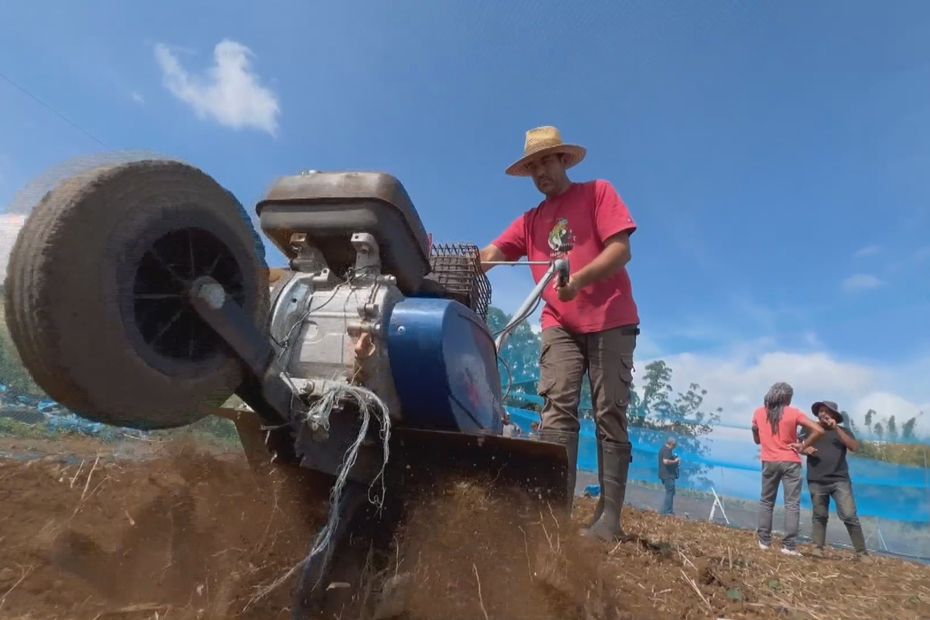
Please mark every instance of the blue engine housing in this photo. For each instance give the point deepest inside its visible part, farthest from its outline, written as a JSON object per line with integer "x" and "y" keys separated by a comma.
{"x": 444, "y": 365}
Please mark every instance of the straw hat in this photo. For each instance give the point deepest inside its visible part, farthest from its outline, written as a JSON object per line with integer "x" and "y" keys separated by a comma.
{"x": 541, "y": 141}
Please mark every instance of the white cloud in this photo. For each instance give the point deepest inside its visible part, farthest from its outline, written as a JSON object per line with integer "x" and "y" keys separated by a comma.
{"x": 886, "y": 404}
{"x": 861, "y": 282}
{"x": 229, "y": 93}
{"x": 137, "y": 98}
{"x": 869, "y": 250}
{"x": 10, "y": 224}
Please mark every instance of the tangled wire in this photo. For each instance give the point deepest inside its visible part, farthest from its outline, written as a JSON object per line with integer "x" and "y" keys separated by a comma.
{"x": 317, "y": 416}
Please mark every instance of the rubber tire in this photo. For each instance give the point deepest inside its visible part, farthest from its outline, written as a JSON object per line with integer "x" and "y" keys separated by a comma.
{"x": 67, "y": 282}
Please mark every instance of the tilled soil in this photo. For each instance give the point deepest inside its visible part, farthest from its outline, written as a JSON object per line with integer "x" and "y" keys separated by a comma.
{"x": 178, "y": 532}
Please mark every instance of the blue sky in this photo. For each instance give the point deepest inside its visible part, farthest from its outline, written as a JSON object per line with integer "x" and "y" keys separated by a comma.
{"x": 774, "y": 155}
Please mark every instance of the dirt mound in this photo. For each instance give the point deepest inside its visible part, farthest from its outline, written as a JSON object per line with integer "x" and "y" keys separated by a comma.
{"x": 471, "y": 553}
{"x": 188, "y": 531}
{"x": 193, "y": 534}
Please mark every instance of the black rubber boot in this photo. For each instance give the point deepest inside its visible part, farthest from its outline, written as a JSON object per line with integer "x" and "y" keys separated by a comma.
{"x": 616, "y": 466}
{"x": 599, "y": 508}
{"x": 570, "y": 441}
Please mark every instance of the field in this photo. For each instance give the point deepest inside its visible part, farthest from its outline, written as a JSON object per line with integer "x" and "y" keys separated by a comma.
{"x": 904, "y": 454}
{"x": 183, "y": 529}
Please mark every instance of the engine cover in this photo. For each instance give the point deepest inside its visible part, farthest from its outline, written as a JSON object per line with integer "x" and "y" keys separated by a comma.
{"x": 327, "y": 329}
{"x": 444, "y": 366}
{"x": 431, "y": 360}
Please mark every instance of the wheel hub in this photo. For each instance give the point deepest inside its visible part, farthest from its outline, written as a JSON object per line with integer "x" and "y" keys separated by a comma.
{"x": 167, "y": 270}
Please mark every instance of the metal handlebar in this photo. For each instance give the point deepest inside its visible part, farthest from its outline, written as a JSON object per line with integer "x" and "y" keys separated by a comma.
{"x": 557, "y": 268}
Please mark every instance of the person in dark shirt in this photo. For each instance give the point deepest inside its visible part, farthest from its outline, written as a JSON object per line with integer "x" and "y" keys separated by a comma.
{"x": 668, "y": 473}
{"x": 828, "y": 476}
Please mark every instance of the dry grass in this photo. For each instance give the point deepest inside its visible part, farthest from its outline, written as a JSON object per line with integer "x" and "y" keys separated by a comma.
{"x": 534, "y": 565}
{"x": 726, "y": 572}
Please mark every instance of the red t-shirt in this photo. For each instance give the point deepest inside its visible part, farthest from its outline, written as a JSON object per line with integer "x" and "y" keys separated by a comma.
{"x": 588, "y": 213}
{"x": 775, "y": 447}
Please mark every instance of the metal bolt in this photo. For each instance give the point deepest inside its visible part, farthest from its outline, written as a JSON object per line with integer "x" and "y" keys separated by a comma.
{"x": 213, "y": 294}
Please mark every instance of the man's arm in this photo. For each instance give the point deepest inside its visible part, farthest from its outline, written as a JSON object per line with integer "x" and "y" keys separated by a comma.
{"x": 848, "y": 440}
{"x": 510, "y": 245}
{"x": 816, "y": 432}
{"x": 613, "y": 257}
{"x": 755, "y": 434}
{"x": 613, "y": 226}
{"x": 490, "y": 253}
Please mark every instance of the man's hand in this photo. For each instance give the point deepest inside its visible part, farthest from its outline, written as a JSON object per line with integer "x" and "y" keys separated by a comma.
{"x": 800, "y": 449}
{"x": 567, "y": 292}
{"x": 829, "y": 423}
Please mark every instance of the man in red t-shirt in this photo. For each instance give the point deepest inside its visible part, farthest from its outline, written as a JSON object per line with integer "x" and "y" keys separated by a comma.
{"x": 589, "y": 324}
{"x": 775, "y": 429}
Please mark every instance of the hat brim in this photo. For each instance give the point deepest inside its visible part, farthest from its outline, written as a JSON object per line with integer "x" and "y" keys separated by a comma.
{"x": 815, "y": 408}
{"x": 576, "y": 153}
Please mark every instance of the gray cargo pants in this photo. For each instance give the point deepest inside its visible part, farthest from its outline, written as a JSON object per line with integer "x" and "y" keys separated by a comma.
{"x": 842, "y": 494}
{"x": 607, "y": 356}
{"x": 787, "y": 474}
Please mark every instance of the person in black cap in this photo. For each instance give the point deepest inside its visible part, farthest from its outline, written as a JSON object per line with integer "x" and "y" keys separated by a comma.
{"x": 828, "y": 476}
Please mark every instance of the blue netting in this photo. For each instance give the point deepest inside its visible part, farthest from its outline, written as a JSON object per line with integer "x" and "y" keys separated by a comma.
{"x": 731, "y": 467}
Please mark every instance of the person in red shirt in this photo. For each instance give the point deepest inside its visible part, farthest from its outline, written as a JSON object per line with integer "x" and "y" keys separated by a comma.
{"x": 775, "y": 428}
{"x": 588, "y": 324}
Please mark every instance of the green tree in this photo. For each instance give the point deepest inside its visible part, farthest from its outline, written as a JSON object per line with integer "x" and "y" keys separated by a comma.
{"x": 12, "y": 372}
{"x": 657, "y": 391}
{"x": 868, "y": 419}
{"x": 663, "y": 411}
{"x": 518, "y": 361}
{"x": 901, "y": 446}
{"x": 892, "y": 429}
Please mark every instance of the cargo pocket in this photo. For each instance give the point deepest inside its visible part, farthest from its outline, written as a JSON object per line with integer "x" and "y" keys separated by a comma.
{"x": 546, "y": 371}
{"x": 625, "y": 382}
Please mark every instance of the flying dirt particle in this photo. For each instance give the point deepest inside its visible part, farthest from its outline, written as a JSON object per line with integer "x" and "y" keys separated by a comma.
{"x": 394, "y": 594}
{"x": 338, "y": 585}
